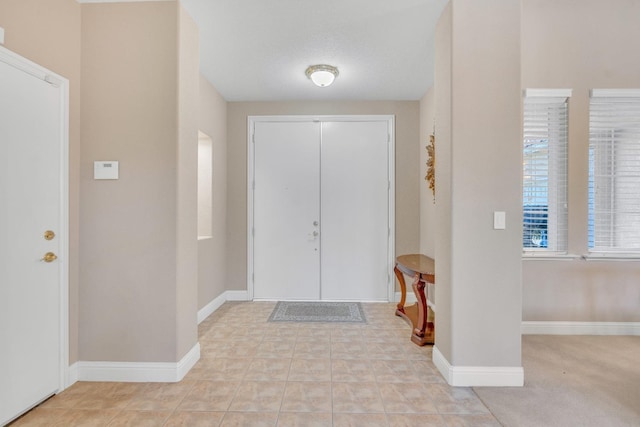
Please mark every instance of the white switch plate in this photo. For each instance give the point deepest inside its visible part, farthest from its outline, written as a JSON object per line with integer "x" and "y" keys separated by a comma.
{"x": 499, "y": 220}
{"x": 1, "y": 35}
{"x": 105, "y": 169}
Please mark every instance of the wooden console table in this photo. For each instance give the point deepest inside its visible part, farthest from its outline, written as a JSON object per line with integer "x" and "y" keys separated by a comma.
{"x": 422, "y": 269}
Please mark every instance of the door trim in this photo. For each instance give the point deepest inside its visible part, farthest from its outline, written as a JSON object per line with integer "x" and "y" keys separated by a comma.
{"x": 62, "y": 84}
{"x": 252, "y": 120}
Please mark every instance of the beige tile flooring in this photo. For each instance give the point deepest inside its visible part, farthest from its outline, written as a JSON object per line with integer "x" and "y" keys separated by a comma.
{"x": 254, "y": 373}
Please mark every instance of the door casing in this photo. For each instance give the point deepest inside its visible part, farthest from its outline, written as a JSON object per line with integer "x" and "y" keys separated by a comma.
{"x": 319, "y": 118}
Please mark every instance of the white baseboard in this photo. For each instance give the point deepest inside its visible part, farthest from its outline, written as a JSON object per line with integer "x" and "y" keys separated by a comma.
{"x": 138, "y": 371}
{"x": 72, "y": 375}
{"x": 580, "y": 328}
{"x": 187, "y": 362}
{"x": 478, "y": 376}
{"x": 217, "y": 302}
{"x": 208, "y": 309}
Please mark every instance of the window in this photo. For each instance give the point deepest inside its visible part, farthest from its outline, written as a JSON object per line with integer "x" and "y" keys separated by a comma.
{"x": 544, "y": 171}
{"x": 614, "y": 171}
{"x": 205, "y": 186}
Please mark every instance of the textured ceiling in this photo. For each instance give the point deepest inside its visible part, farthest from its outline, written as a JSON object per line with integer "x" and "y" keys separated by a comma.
{"x": 258, "y": 50}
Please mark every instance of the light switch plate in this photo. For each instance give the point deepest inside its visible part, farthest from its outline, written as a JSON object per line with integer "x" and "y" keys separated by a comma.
{"x": 1, "y": 35}
{"x": 499, "y": 220}
{"x": 105, "y": 169}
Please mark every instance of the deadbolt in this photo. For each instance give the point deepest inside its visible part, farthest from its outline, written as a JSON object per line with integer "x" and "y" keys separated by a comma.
{"x": 49, "y": 257}
{"x": 49, "y": 235}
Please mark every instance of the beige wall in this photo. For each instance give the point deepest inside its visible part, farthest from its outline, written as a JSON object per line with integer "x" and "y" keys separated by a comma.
{"x": 50, "y": 36}
{"x": 442, "y": 229}
{"x": 138, "y": 293}
{"x": 212, "y": 265}
{"x": 427, "y": 199}
{"x": 187, "y": 176}
{"x": 407, "y": 187}
{"x": 479, "y": 297}
{"x": 580, "y": 46}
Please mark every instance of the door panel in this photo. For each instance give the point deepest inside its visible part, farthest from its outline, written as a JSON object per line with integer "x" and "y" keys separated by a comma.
{"x": 355, "y": 213}
{"x": 286, "y": 205}
{"x": 30, "y": 188}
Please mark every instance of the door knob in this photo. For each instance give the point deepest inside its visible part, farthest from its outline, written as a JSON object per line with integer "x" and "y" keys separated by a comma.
{"x": 315, "y": 234}
{"x": 315, "y": 223}
{"x": 49, "y": 257}
{"x": 49, "y": 235}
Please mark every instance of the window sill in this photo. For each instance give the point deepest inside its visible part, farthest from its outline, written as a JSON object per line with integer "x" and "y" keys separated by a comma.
{"x": 549, "y": 257}
{"x": 611, "y": 256}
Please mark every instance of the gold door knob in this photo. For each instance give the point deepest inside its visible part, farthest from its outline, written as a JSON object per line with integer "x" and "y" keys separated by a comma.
{"x": 49, "y": 235}
{"x": 49, "y": 257}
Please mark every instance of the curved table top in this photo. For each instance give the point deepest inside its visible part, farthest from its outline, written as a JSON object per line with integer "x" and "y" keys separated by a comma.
{"x": 417, "y": 263}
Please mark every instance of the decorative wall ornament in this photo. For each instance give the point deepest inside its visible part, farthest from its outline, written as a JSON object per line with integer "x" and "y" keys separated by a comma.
{"x": 431, "y": 165}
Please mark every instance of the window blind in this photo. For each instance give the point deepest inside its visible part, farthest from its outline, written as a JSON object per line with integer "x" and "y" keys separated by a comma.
{"x": 544, "y": 173}
{"x": 614, "y": 171}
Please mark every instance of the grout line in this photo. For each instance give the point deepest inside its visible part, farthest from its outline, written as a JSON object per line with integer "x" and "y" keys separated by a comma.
{"x": 331, "y": 374}
{"x": 183, "y": 398}
{"x": 486, "y": 406}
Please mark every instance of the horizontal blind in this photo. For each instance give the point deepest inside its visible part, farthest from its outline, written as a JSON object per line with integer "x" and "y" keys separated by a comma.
{"x": 544, "y": 179}
{"x": 614, "y": 171}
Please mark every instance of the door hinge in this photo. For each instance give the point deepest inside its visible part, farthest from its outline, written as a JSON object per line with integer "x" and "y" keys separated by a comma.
{"x": 388, "y": 137}
{"x": 253, "y": 185}
{"x": 253, "y": 278}
{"x": 253, "y": 231}
{"x": 253, "y": 138}
{"x": 389, "y": 232}
{"x": 388, "y": 185}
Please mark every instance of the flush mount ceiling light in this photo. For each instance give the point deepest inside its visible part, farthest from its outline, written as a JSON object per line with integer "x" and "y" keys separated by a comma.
{"x": 322, "y": 75}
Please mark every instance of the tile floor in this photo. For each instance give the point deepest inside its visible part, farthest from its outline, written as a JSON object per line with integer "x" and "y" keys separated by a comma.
{"x": 254, "y": 373}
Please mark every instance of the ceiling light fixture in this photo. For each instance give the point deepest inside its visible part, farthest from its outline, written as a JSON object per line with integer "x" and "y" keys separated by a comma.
{"x": 322, "y": 75}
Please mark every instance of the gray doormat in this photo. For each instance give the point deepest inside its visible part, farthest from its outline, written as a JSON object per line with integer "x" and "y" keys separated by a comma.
{"x": 290, "y": 311}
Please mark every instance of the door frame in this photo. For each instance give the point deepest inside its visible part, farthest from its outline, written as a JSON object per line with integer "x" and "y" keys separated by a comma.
{"x": 35, "y": 70}
{"x": 252, "y": 120}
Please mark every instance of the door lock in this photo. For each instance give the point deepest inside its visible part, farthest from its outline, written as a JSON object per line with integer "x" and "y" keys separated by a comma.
{"x": 49, "y": 257}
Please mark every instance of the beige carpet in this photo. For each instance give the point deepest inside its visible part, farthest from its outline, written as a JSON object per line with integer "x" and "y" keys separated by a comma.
{"x": 572, "y": 381}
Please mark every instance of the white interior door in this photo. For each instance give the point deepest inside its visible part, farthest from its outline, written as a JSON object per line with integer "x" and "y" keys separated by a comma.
{"x": 30, "y": 193}
{"x": 286, "y": 242}
{"x": 355, "y": 210}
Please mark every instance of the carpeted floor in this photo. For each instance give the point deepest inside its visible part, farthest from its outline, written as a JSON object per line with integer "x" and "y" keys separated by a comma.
{"x": 572, "y": 381}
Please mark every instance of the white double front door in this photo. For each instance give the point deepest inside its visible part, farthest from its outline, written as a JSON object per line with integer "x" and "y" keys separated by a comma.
{"x": 322, "y": 199}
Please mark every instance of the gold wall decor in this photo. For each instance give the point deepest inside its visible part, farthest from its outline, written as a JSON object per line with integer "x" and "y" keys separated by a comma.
{"x": 431, "y": 165}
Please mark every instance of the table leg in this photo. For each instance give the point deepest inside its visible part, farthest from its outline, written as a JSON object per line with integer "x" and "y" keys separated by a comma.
{"x": 420, "y": 335}
{"x": 403, "y": 290}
